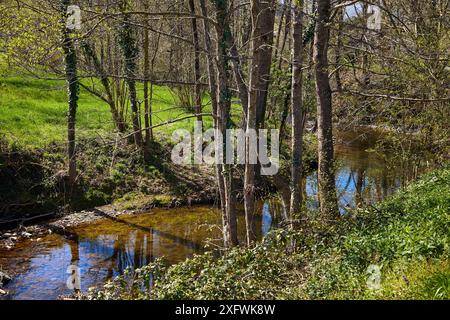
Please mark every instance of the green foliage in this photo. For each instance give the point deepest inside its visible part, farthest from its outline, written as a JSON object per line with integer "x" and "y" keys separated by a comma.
{"x": 21, "y": 43}
{"x": 437, "y": 286}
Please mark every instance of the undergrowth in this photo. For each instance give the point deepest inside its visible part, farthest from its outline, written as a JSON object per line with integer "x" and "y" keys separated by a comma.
{"x": 406, "y": 237}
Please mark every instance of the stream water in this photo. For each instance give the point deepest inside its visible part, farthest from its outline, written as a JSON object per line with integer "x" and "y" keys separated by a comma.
{"x": 103, "y": 249}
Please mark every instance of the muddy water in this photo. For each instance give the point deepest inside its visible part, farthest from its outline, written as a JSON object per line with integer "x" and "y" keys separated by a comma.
{"x": 103, "y": 249}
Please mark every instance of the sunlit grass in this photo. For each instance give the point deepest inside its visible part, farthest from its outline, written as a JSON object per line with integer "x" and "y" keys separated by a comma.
{"x": 33, "y": 112}
{"x": 418, "y": 279}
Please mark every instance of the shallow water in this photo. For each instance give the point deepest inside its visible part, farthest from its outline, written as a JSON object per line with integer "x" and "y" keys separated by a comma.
{"x": 103, "y": 249}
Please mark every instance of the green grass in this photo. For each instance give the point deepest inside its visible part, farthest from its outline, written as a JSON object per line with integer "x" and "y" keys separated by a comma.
{"x": 407, "y": 236}
{"x": 33, "y": 112}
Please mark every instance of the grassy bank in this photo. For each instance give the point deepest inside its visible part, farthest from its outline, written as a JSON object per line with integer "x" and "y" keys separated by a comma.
{"x": 33, "y": 133}
{"x": 406, "y": 236}
{"x": 33, "y": 112}
{"x": 32, "y": 181}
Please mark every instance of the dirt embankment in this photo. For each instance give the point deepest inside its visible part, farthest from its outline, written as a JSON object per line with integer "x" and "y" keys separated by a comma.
{"x": 33, "y": 188}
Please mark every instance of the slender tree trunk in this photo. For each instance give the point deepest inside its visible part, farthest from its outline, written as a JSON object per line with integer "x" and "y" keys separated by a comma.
{"x": 213, "y": 94}
{"x": 327, "y": 188}
{"x": 285, "y": 112}
{"x": 210, "y": 58}
{"x": 338, "y": 51}
{"x": 147, "y": 123}
{"x": 240, "y": 79}
{"x": 72, "y": 89}
{"x": 279, "y": 55}
{"x": 365, "y": 59}
{"x": 130, "y": 54}
{"x": 280, "y": 27}
{"x": 197, "y": 75}
{"x": 213, "y": 90}
{"x": 311, "y": 47}
{"x": 287, "y": 31}
{"x": 249, "y": 178}
{"x": 223, "y": 95}
{"x": 297, "y": 110}
{"x": 266, "y": 19}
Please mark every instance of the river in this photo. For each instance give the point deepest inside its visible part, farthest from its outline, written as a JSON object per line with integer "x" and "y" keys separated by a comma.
{"x": 103, "y": 249}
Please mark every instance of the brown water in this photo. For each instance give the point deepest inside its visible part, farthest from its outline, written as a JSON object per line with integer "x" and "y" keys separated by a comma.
{"x": 105, "y": 248}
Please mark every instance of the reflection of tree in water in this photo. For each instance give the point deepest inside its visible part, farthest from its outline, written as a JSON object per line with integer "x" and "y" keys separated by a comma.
{"x": 370, "y": 184}
{"x": 133, "y": 250}
{"x": 74, "y": 244}
{"x": 266, "y": 223}
{"x": 137, "y": 247}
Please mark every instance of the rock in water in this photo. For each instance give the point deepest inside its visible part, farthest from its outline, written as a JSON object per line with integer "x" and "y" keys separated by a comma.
{"x": 4, "y": 279}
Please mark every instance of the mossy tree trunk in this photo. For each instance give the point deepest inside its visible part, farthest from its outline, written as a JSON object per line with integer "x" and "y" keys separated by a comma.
{"x": 263, "y": 19}
{"x": 129, "y": 49}
{"x": 70, "y": 58}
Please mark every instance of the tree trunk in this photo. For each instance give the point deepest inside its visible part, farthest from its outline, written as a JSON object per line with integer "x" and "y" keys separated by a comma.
{"x": 147, "y": 111}
{"x": 365, "y": 55}
{"x": 287, "y": 28}
{"x": 240, "y": 80}
{"x": 266, "y": 23}
{"x": 72, "y": 89}
{"x": 311, "y": 48}
{"x": 327, "y": 188}
{"x": 263, "y": 19}
{"x": 280, "y": 25}
{"x": 279, "y": 55}
{"x": 338, "y": 52}
{"x": 223, "y": 95}
{"x": 130, "y": 53}
{"x": 197, "y": 75}
{"x": 297, "y": 110}
{"x": 212, "y": 81}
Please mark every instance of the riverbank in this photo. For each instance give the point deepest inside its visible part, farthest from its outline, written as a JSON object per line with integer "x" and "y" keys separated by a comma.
{"x": 32, "y": 183}
{"x": 398, "y": 249}
{"x": 111, "y": 183}
{"x": 33, "y": 154}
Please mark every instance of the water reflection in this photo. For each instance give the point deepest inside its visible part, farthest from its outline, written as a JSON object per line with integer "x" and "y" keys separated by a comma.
{"x": 362, "y": 177}
{"x": 266, "y": 224}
